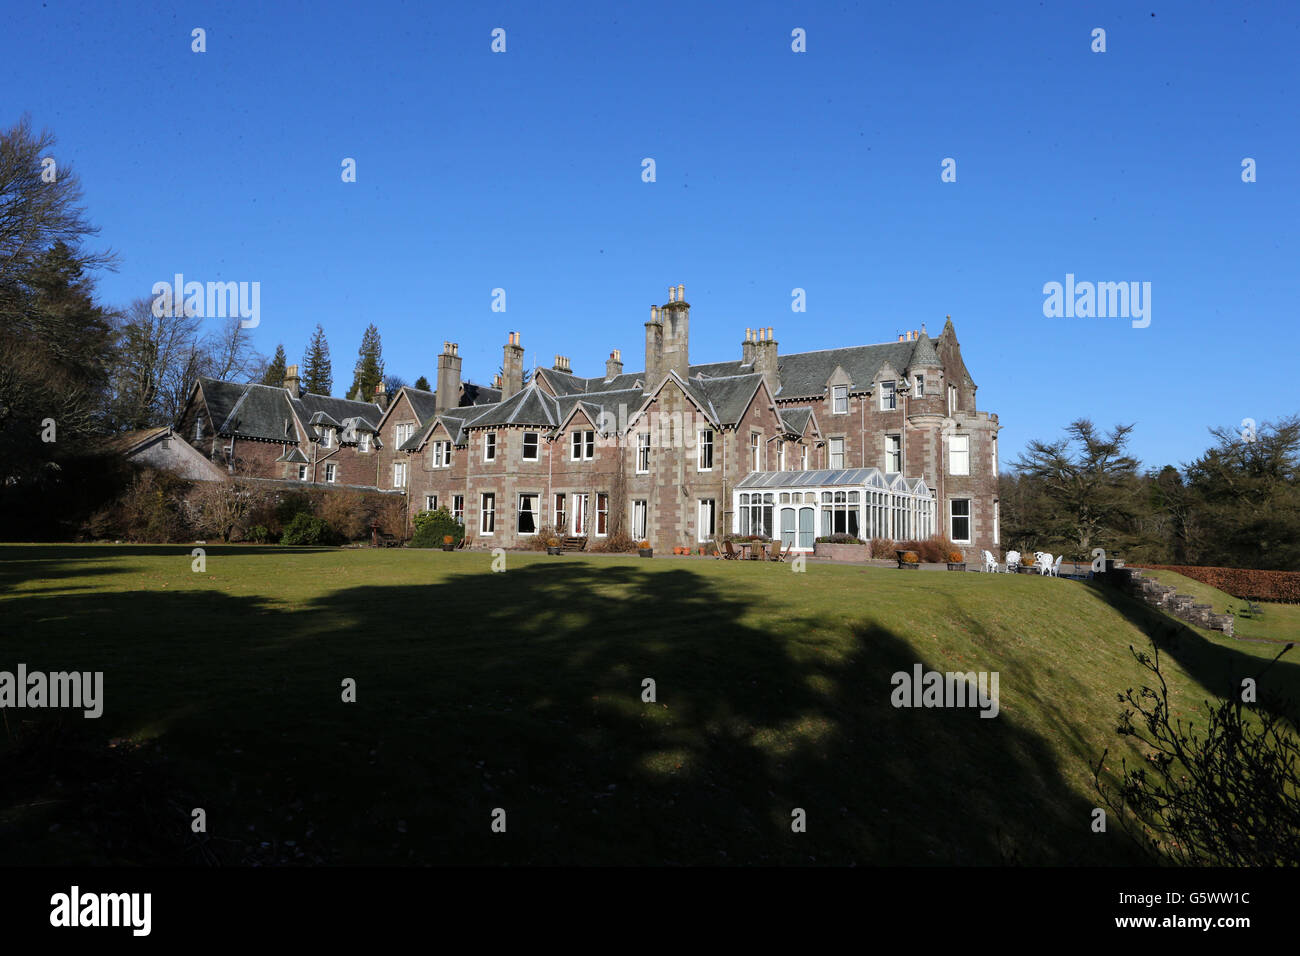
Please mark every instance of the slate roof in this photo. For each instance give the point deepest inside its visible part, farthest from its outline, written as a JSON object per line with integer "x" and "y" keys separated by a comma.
{"x": 795, "y": 419}
{"x": 472, "y": 394}
{"x": 802, "y": 374}
{"x": 529, "y": 406}
{"x": 266, "y": 411}
{"x": 423, "y": 403}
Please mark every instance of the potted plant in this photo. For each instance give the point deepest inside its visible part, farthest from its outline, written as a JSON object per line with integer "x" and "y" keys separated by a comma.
{"x": 956, "y": 561}
{"x": 448, "y": 542}
{"x": 908, "y": 559}
{"x": 552, "y": 545}
{"x": 644, "y": 550}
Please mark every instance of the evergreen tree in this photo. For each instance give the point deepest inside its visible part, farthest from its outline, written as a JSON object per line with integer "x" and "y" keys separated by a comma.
{"x": 275, "y": 371}
{"x": 369, "y": 370}
{"x": 422, "y": 384}
{"x": 317, "y": 371}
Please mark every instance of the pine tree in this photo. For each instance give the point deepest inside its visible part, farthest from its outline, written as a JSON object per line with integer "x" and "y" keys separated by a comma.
{"x": 369, "y": 370}
{"x": 317, "y": 371}
{"x": 422, "y": 384}
{"x": 275, "y": 371}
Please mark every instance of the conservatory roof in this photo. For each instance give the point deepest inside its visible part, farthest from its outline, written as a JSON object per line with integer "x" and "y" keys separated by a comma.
{"x": 830, "y": 478}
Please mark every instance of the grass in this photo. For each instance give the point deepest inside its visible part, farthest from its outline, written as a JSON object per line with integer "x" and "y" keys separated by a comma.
{"x": 523, "y": 690}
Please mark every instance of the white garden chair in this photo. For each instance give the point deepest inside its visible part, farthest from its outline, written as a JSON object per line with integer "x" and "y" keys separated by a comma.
{"x": 1013, "y": 561}
{"x": 1043, "y": 561}
{"x": 990, "y": 563}
{"x": 1056, "y": 566}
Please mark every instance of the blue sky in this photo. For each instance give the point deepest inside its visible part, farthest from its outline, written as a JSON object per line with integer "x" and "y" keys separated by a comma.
{"x": 775, "y": 170}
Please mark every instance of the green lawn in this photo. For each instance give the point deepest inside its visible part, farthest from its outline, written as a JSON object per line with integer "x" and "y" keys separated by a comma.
{"x": 522, "y": 690}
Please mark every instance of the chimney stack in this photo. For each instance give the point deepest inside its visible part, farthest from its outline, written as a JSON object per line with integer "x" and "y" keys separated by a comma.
{"x": 765, "y": 358}
{"x": 447, "y": 386}
{"x": 747, "y": 348}
{"x": 512, "y": 365}
{"x": 614, "y": 365}
{"x": 654, "y": 350}
{"x": 676, "y": 324}
{"x": 562, "y": 364}
{"x": 292, "y": 382}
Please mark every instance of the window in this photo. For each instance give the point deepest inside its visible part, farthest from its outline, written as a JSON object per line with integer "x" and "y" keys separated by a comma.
{"x": 441, "y": 454}
{"x": 198, "y": 429}
{"x": 755, "y": 454}
{"x": 706, "y": 449}
{"x": 602, "y": 514}
{"x": 643, "y": 453}
{"x": 530, "y": 446}
{"x": 959, "y": 454}
{"x": 960, "y": 514}
{"x": 363, "y": 442}
{"x": 487, "y": 518}
{"x": 639, "y": 520}
{"x": 893, "y": 454}
{"x": 836, "y": 453}
{"x": 993, "y": 454}
{"x": 430, "y": 502}
{"x": 399, "y": 474}
{"x": 490, "y": 446}
{"x": 756, "y": 514}
{"x": 331, "y": 472}
{"x": 708, "y": 514}
{"x": 527, "y": 522}
{"x": 402, "y": 433}
{"x": 996, "y": 535}
{"x": 803, "y": 457}
{"x": 920, "y": 386}
{"x": 559, "y": 510}
{"x": 840, "y": 400}
{"x": 888, "y": 396}
{"x": 302, "y": 472}
{"x": 458, "y": 508}
{"x": 840, "y": 512}
{"x": 952, "y": 399}
{"x": 327, "y": 438}
{"x": 583, "y": 446}
{"x": 781, "y": 458}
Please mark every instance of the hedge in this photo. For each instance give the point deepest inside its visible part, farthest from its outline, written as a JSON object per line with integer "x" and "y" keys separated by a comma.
{"x": 1245, "y": 583}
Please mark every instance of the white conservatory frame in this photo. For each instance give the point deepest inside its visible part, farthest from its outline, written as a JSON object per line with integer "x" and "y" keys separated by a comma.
{"x": 802, "y": 506}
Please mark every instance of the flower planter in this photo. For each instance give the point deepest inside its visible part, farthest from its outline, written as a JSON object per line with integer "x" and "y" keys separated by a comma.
{"x": 449, "y": 547}
{"x": 550, "y": 550}
{"x": 645, "y": 552}
{"x": 956, "y": 567}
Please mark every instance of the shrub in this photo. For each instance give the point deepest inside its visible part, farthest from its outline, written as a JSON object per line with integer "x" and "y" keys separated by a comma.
{"x": 839, "y": 538}
{"x": 148, "y": 510}
{"x": 308, "y": 529}
{"x": 346, "y": 513}
{"x": 911, "y": 557}
{"x": 617, "y": 543}
{"x": 1280, "y": 586}
{"x": 956, "y": 557}
{"x": 259, "y": 534}
{"x": 431, "y": 527}
{"x": 882, "y": 548}
{"x": 290, "y": 505}
{"x": 543, "y": 538}
{"x": 932, "y": 550}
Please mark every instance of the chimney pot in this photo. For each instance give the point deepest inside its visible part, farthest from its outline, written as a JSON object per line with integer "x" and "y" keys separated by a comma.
{"x": 681, "y": 292}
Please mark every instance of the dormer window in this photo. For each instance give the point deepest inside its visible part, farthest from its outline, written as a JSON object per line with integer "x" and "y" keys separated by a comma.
{"x": 363, "y": 442}
{"x": 888, "y": 396}
{"x": 327, "y": 438}
{"x": 840, "y": 400}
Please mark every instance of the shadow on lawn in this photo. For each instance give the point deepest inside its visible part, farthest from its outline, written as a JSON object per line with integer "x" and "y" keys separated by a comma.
{"x": 1217, "y": 667}
{"x": 522, "y": 691}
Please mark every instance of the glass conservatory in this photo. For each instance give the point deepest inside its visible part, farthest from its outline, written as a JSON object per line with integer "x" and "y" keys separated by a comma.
{"x": 801, "y": 506}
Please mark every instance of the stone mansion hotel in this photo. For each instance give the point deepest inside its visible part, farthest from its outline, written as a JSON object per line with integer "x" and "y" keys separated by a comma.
{"x": 874, "y": 441}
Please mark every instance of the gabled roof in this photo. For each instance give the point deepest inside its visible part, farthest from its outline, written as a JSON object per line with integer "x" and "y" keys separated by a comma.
{"x": 795, "y": 420}
{"x": 260, "y": 411}
{"x": 529, "y": 406}
{"x": 728, "y": 396}
{"x": 336, "y": 409}
{"x": 293, "y": 453}
{"x": 472, "y": 394}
